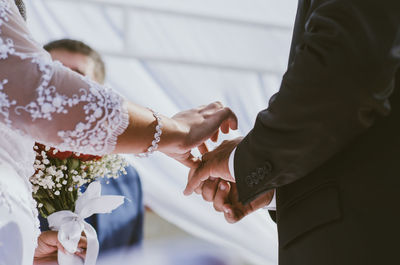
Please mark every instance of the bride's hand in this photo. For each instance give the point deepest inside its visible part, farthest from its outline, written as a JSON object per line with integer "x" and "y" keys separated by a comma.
{"x": 180, "y": 134}
{"x": 48, "y": 246}
{"x": 197, "y": 126}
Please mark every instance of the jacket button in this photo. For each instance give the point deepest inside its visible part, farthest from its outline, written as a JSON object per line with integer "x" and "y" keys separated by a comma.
{"x": 250, "y": 181}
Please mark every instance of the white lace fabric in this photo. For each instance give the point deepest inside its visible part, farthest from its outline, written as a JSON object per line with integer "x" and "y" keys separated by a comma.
{"x": 40, "y": 100}
{"x": 43, "y": 99}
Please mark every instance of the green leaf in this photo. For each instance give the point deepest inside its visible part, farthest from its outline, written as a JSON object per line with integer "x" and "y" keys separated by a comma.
{"x": 73, "y": 164}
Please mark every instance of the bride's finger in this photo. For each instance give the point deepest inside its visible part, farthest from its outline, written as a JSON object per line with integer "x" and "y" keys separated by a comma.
{"x": 225, "y": 126}
{"x": 232, "y": 120}
{"x": 214, "y": 138}
{"x": 211, "y": 108}
{"x": 203, "y": 148}
{"x": 187, "y": 159}
{"x": 215, "y": 106}
{"x": 227, "y": 119}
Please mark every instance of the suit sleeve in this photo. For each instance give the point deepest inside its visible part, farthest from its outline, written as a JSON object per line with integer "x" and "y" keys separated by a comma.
{"x": 338, "y": 83}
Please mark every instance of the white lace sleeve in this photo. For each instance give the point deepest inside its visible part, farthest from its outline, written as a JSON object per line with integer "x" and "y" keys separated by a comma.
{"x": 49, "y": 102}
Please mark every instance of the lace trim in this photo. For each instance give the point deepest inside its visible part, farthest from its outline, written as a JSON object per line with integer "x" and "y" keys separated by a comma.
{"x": 4, "y": 9}
{"x": 105, "y": 117}
{"x": 6, "y": 47}
{"x": 106, "y": 120}
{"x": 5, "y": 103}
{"x": 49, "y": 101}
{"x": 120, "y": 129}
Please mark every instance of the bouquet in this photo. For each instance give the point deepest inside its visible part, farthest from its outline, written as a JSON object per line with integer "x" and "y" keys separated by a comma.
{"x": 57, "y": 187}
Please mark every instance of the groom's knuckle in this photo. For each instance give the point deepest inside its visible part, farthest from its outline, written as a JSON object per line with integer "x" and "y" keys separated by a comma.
{"x": 225, "y": 142}
{"x": 206, "y": 157}
{"x": 217, "y": 207}
{"x": 206, "y": 196}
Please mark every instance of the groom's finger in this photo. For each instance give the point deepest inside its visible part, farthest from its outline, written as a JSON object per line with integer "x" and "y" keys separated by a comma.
{"x": 209, "y": 189}
{"x": 201, "y": 174}
{"x": 199, "y": 189}
{"x": 221, "y": 196}
{"x": 230, "y": 215}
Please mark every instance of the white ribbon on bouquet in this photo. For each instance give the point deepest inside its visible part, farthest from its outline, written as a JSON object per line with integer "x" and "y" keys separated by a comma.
{"x": 70, "y": 225}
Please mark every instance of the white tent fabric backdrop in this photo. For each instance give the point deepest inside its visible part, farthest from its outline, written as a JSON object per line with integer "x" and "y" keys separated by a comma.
{"x": 172, "y": 55}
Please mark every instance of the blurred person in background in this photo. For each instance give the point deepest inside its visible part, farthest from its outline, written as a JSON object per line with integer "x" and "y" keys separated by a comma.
{"x": 124, "y": 226}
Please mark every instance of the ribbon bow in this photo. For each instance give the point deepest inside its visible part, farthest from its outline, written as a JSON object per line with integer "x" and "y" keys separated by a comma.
{"x": 70, "y": 225}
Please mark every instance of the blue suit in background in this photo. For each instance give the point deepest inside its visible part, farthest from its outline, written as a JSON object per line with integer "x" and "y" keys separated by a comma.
{"x": 124, "y": 226}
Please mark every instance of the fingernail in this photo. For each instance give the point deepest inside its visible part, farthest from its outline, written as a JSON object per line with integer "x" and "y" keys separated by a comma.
{"x": 222, "y": 187}
{"x": 228, "y": 211}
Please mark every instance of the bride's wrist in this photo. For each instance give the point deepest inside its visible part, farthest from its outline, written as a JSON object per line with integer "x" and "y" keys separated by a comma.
{"x": 173, "y": 137}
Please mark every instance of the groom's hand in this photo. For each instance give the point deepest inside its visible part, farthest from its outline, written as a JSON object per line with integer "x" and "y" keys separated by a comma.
{"x": 225, "y": 199}
{"x": 214, "y": 165}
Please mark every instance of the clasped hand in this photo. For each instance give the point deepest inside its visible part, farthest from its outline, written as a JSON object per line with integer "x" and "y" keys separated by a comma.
{"x": 48, "y": 246}
{"x": 212, "y": 179}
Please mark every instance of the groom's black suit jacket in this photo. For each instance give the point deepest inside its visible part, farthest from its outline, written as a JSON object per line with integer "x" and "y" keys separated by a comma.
{"x": 329, "y": 142}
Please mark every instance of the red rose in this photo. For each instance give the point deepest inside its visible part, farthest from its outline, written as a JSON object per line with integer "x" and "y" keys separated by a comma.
{"x": 84, "y": 157}
{"x": 64, "y": 155}
{"x": 59, "y": 155}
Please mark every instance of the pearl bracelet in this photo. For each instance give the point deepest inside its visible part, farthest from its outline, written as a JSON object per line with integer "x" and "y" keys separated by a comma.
{"x": 157, "y": 137}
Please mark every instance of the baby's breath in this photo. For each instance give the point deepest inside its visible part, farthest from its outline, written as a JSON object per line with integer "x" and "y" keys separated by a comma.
{"x": 63, "y": 178}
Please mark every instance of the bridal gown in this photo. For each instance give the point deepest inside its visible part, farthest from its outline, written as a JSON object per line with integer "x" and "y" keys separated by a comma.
{"x": 42, "y": 101}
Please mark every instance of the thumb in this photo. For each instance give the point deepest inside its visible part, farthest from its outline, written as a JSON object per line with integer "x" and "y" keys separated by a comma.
{"x": 199, "y": 175}
{"x": 231, "y": 216}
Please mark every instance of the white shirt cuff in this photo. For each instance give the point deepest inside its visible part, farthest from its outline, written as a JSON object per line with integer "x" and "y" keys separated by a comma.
{"x": 230, "y": 163}
{"x": 272, "y": 205}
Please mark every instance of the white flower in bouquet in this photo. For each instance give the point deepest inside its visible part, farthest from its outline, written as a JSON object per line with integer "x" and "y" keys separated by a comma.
{"x": 56, "y": 185}
{"x": 62, "y": 175}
